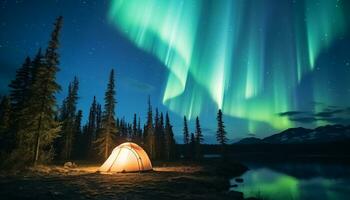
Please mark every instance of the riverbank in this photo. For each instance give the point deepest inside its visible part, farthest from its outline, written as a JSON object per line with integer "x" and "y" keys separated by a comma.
{"x": 171, "y": 180}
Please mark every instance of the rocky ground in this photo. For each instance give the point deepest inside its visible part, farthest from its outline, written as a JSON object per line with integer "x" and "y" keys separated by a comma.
{"x": 167, "y": 181}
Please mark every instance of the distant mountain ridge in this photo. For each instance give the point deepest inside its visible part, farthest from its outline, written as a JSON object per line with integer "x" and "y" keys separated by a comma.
{"x": 250, "y": 140}
{"x": 322, "y": 134}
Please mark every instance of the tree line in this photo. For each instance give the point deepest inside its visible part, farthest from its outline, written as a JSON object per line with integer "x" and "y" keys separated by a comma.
{"x": 192, "y": 142}
{"x": 35, "y": 130}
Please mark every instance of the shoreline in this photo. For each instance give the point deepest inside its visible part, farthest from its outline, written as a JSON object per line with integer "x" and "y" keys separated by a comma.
{"x": 168, "y": 180}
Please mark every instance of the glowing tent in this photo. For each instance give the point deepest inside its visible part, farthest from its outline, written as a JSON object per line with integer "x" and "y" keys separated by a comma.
{"x": 127, "y": 157}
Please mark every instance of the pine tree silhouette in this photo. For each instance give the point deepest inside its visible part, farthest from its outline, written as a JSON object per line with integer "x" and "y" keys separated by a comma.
{"x": 107, "y": 134}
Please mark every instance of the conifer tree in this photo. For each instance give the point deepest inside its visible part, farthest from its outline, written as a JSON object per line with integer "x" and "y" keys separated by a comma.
{"x": 149, "y": 132}
{"x": 185, "y": 132}
{"x": 40, "y": 127}
{"x": 38, "y": 59}
{"x": 130, "y": 133}
{"x": 91, "y": 128}
{"x": 19, "y": 95}
{"x": 186, "y": 136}
{"x": 157, "y": 130}
{"x": 161, "y": 137}
{"x": 199, "y": 139}
{"x": 68, "y": 119}
{"x": 107, "y": 134}
{"x": 5, "y": 111}
{"x": 83, "y": 152}
{"x": 139, "y": 131}
{"x": 51, "y": 55}
{"x": 134, "y": 129}
{"x": 78, "y": 146}
{"x": 221, "y": 133}
{"x": 20, "y": 86}
{"x": 120, "y": 128}
{"x": 156, "y": 119}
{"x": 6, "y": 138}
{"x": 169, "y": 139}
{"x": 123, "y": 131}
{"x": 98, "y": 117}
{"x": 77, "y": 121}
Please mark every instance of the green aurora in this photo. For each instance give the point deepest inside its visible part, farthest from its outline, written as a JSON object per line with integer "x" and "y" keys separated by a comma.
{"x": 229, "y": 53}
{"x": 268, "y": 184}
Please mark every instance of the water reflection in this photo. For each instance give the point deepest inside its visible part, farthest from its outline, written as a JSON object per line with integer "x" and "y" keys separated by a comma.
{"x": 276, "y": 184}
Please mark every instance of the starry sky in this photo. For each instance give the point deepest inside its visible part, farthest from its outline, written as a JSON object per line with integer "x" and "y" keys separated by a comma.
{"x": 269, "y": 65}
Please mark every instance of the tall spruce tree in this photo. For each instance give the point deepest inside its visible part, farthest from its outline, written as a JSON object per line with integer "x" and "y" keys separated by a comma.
{"x": 19, "y": 87}
{"x": 68, "y": 119}
{"x": 40, "y": 126}
{"x": 149, "y": 132}
{"x": 221, "y": 133}
{"x": 38, "y": 59}
{"x": 108, "y": 131}
{"x": 185, "y": 132}
{"x": 157, "y": 130}
{"x": 186, "y": 137}
{"x": 98, "y": 117}
{"x": 77, "y": 122}
{"x": 83, "y": 151}
{"x": 91, "y": 129}
{"x": 199, "y": 139}
{"x": 78, "y": 146}
{"x": 19, "y": 95}
{"x": 169, "y": 139}
{"x": 161, "y": 137}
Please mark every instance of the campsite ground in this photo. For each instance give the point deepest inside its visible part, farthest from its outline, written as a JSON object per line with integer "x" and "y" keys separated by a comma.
{"x": 168, "y": 181}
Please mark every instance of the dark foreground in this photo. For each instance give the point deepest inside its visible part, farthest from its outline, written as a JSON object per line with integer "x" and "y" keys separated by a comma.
{"x": 167, "y": 181}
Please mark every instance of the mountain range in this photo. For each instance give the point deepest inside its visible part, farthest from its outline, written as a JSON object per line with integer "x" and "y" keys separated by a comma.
{"x": 322, "y": 134}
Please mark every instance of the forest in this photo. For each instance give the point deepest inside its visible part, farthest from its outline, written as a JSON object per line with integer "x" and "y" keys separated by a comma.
{"x": 36, "y": 129}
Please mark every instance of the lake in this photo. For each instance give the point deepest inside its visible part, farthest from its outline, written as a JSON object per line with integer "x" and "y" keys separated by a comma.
{"x": 295, "y": 181}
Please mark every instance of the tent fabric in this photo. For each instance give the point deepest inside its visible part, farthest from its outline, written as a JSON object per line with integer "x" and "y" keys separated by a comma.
{"x": 127, "y": 157}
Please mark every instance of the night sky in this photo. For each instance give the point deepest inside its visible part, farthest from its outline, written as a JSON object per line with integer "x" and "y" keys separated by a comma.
{"x": 269, "y": 65}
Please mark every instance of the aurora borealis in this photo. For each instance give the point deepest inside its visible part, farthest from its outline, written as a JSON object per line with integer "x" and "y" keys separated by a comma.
{"x": 269, "y": 64}
{"x": 248, "y": 57}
